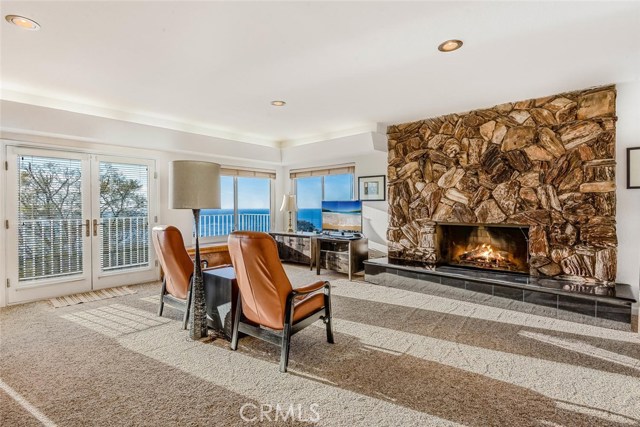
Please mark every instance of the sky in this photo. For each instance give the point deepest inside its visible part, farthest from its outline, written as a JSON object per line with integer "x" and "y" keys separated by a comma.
{"x": 336, "y": 187}
{"x": 253, "y": 193}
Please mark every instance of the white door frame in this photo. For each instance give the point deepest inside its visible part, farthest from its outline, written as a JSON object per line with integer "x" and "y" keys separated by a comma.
{"x": 18, "y": 292}
{"x": 91, "y": 277}
{"x": 130, "y": 276}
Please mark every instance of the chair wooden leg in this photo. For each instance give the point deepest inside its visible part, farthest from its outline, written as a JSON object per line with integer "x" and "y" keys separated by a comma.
{"x": 327, "y": 314}
{"x": 236, "y": 324}
{"x": 162, "y": 292}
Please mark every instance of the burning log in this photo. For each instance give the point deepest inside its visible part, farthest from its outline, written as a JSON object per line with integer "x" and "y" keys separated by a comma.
{"x": 485, "y": 256}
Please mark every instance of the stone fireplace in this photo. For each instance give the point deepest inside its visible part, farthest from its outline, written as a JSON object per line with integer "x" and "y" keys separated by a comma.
{"x": 545, "y": 166}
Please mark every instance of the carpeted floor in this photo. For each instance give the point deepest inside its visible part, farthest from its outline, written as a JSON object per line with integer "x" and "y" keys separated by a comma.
{"x": 401, "y": 358}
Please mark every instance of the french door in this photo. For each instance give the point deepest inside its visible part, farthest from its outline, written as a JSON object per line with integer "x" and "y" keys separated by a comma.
{"x": 77, "y": 222}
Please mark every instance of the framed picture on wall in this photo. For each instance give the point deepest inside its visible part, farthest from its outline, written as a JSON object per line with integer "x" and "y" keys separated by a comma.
{"x": 633, "y": 167}
{"x": 372, "y": 188}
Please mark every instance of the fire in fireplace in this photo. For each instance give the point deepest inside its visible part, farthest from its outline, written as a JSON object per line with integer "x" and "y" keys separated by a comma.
{"x": 487, "y": 247}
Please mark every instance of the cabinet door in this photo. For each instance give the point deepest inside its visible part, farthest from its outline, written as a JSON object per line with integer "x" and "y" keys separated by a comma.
{"x": 336, "y": 261}
{"x": 284, "y": 251}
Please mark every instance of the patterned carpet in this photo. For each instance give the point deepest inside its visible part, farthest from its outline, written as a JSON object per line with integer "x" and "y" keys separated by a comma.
{"x": 401, "y": 359}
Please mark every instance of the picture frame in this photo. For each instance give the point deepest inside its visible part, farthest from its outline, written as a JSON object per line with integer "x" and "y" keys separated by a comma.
{"x": 633, "y": 167}
{"x": 372, "y": 188}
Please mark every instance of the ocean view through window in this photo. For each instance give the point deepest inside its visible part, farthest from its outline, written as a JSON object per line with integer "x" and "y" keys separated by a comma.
{"x": 312, "y": 190}
{"x": 253, "y": 210}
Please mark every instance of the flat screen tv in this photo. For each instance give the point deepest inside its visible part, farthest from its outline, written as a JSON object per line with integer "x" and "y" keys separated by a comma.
{"x": 342, "y": 216}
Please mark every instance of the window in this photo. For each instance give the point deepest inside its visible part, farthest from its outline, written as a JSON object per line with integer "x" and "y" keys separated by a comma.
{"x": 245, "y": 197}
{"x": 314, "y": 186}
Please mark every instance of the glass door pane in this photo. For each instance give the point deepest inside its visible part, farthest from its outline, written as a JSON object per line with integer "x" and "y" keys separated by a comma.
{"x": 124, "y": 216}
{"x": 48, "y": 249}
{"x": 123, "y": 205}
{"x": 50, "y": 226}
{"x": 254, "y": 204}
{"x": 309, "y": 199}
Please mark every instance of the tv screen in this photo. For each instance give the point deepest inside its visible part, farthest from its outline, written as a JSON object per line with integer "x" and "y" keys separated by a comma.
{"x": 342, "y": 216}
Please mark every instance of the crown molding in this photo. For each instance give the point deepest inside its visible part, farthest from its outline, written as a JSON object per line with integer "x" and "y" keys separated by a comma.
{"x": 81, "y": 106}
{"x": 366, "y": 128}
{"x": 143, "y": 118}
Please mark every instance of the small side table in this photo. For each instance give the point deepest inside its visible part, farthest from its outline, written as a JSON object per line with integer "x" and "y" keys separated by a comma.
{"x": 221, "y": 294}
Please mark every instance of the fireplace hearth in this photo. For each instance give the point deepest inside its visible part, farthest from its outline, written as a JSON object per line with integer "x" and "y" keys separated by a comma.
{"x": 529, "y": 294}
{"x": 488, "y": 247}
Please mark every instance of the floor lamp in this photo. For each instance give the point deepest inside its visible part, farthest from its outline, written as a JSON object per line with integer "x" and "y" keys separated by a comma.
{"x": 195, "y": 185}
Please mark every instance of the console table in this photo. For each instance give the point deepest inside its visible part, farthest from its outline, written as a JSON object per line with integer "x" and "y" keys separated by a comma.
{"x": 341, "y": 255}
{"x": 296, "y": 247}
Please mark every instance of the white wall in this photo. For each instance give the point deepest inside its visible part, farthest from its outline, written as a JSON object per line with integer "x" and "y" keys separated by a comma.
{"x": 368, "y": 152}
{"x": 628, "y": 201}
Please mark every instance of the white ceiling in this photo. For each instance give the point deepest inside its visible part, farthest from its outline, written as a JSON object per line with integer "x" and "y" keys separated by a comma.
{"x": 214, "y": 67}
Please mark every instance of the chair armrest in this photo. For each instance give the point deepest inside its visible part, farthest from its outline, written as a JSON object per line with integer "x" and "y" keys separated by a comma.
{"x": 311, "y": 288}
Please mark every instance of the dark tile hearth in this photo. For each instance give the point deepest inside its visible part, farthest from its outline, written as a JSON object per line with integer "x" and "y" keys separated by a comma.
{"x": 553, "y": 296}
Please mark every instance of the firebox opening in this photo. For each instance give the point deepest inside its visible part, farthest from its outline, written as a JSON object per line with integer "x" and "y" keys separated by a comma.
{"x": 485, "y": 246}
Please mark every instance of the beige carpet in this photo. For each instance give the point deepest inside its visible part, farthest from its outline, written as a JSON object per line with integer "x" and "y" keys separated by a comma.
{"x": 401, "y": 359}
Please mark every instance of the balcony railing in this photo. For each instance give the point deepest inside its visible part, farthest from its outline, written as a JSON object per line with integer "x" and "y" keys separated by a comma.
{"x": 125, "y": 243}
{"x": 54, "y": 247}
{"x": 222, "y": 224}
{"x": 49, "y": 248}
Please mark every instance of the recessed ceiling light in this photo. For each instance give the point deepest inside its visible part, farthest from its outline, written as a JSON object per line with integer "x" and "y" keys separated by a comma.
{"x": 22, "y": 22}
{"x": 450, "y": 45}
{"x": 278, "y": 103}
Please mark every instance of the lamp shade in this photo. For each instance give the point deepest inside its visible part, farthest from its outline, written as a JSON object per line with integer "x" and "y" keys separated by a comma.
{"x": 289, "y": 203}
{"x": 194, "y": 185}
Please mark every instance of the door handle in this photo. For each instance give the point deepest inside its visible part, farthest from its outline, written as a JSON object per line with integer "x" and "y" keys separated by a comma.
{"x": 95, "y": 227}
{"x": 87, "y": 225}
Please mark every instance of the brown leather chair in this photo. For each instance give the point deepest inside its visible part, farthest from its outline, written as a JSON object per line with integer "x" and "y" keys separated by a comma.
{"x": 177, "y": 267}
{"x": 268, "y": 307}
